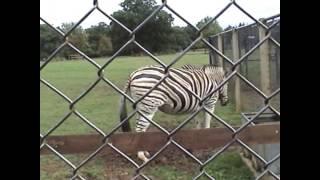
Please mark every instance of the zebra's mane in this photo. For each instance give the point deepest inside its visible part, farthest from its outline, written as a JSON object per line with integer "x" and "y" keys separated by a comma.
{"x": 191, "y": 67}
{"x": 201, "y": 67}
{"x": 207, "y": 68}
{"x": 213, "y": 71}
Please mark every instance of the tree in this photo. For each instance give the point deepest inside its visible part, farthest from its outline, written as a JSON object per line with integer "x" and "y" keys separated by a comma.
{"x": 180, "y": 39}
{"x": 228, "y": 28}
{"x": 99, "y": 40}
{"x": 104, "y": 46}
{"x": 94, "y": 41}
{"x": 49, "y": 41}
{"x": 212, "y": 29}
{"x": 154, "y": 35}
{"x": 78, "y": 38}
{"x": 241, "y": 24}
{"x": 192, "y": 33}
{"x": 137, "y": 6}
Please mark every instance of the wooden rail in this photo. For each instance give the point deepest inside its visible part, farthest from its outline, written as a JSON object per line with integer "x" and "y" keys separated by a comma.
{"x": 75, "y": 56}
{"x": 193, "y": 139}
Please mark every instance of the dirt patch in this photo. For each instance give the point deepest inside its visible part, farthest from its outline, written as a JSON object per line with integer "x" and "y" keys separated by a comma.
{"x": 118, "y": 168}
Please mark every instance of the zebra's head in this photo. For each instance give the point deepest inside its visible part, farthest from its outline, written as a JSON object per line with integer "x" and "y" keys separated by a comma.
{"x": 223, "y": 95}
{"x": 218, "y": 74}
{"x": 223, "y": 91}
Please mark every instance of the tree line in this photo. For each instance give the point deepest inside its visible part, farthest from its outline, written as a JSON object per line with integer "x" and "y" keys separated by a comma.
{"x": 158, "y": 35}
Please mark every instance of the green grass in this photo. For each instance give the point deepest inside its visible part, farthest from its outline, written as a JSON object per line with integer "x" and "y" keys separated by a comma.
{"x": 100, "y": 106}
{"x": 169, "y": 173}
{"x": 229, "y": 166}
{"x": 51, "y": 167}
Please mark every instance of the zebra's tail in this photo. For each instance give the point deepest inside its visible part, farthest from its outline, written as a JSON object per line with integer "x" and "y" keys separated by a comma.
{"x": 123, "y": 110}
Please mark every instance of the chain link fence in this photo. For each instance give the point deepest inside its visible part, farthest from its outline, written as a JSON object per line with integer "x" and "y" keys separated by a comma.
{"x": 233, "y": 64}
{"x": 247, "y": 37}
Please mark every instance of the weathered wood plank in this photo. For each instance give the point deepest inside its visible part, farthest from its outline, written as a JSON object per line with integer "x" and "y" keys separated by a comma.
{"x": 192, "y": 139}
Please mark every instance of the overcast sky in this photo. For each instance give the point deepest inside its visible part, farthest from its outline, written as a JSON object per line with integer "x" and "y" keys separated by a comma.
{"x": 60, "y": 11}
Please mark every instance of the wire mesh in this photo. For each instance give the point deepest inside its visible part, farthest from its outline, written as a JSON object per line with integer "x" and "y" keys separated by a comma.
{"x": 170, "y": 140}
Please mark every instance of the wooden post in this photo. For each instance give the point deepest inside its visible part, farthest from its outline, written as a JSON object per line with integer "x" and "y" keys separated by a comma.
{"x": 265, "y": 77}
{"x": 220, "y": 48}
{"x": 264, "y": 62}
{"x": 218, "y": 61}
{"x": 236, "y": 56}
{"x": 211, "y": 57}
{"x": 211, "y": 54}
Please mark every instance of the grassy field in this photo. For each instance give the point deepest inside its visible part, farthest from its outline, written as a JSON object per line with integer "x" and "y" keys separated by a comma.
{"x": 100, "y": 106}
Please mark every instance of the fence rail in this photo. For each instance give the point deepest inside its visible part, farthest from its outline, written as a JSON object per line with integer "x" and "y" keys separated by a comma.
{"x": 194, "y": 139}
{"x": 248, "y": 25}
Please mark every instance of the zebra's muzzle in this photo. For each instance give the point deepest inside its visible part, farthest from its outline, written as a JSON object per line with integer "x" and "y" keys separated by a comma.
{"x": 224, "y": 102}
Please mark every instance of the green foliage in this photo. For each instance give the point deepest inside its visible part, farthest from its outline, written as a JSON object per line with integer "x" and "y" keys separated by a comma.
{"x": 210, "y": 30}
{"x": 137, "y": 6}
{"x": 78, "y": 38}
{"x": 154, "y": 35}
{"x": 180, "y": 39}
{"x": 99, "y": 40}
{"x": 49, "y": 40}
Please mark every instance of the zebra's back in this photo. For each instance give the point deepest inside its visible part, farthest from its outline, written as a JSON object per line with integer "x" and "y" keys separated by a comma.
{"x": 173, "y": 94}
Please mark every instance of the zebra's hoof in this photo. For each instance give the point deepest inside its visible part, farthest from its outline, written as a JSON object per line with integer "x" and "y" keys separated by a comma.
{"x": 142, "y": 156}
{"x": 145, "y": 160}
{"x": 147, "y": 154}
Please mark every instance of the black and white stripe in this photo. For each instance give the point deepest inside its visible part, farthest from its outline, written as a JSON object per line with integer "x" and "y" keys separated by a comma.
{"x": 173, "y": 95}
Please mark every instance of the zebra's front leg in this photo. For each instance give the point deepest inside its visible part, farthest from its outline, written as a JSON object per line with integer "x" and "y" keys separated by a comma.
{"x": 142, "y": 125}
{"x": 200, "y": 121}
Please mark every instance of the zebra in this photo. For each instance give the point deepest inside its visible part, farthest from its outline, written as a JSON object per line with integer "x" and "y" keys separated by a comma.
{"x": 171, "y": 96}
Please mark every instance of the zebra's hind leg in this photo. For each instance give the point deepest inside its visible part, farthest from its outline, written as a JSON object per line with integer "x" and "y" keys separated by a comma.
{"x": 142, "y": 125}
{"x": 210, "y": 105}
{"x": 199, "y": 122}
